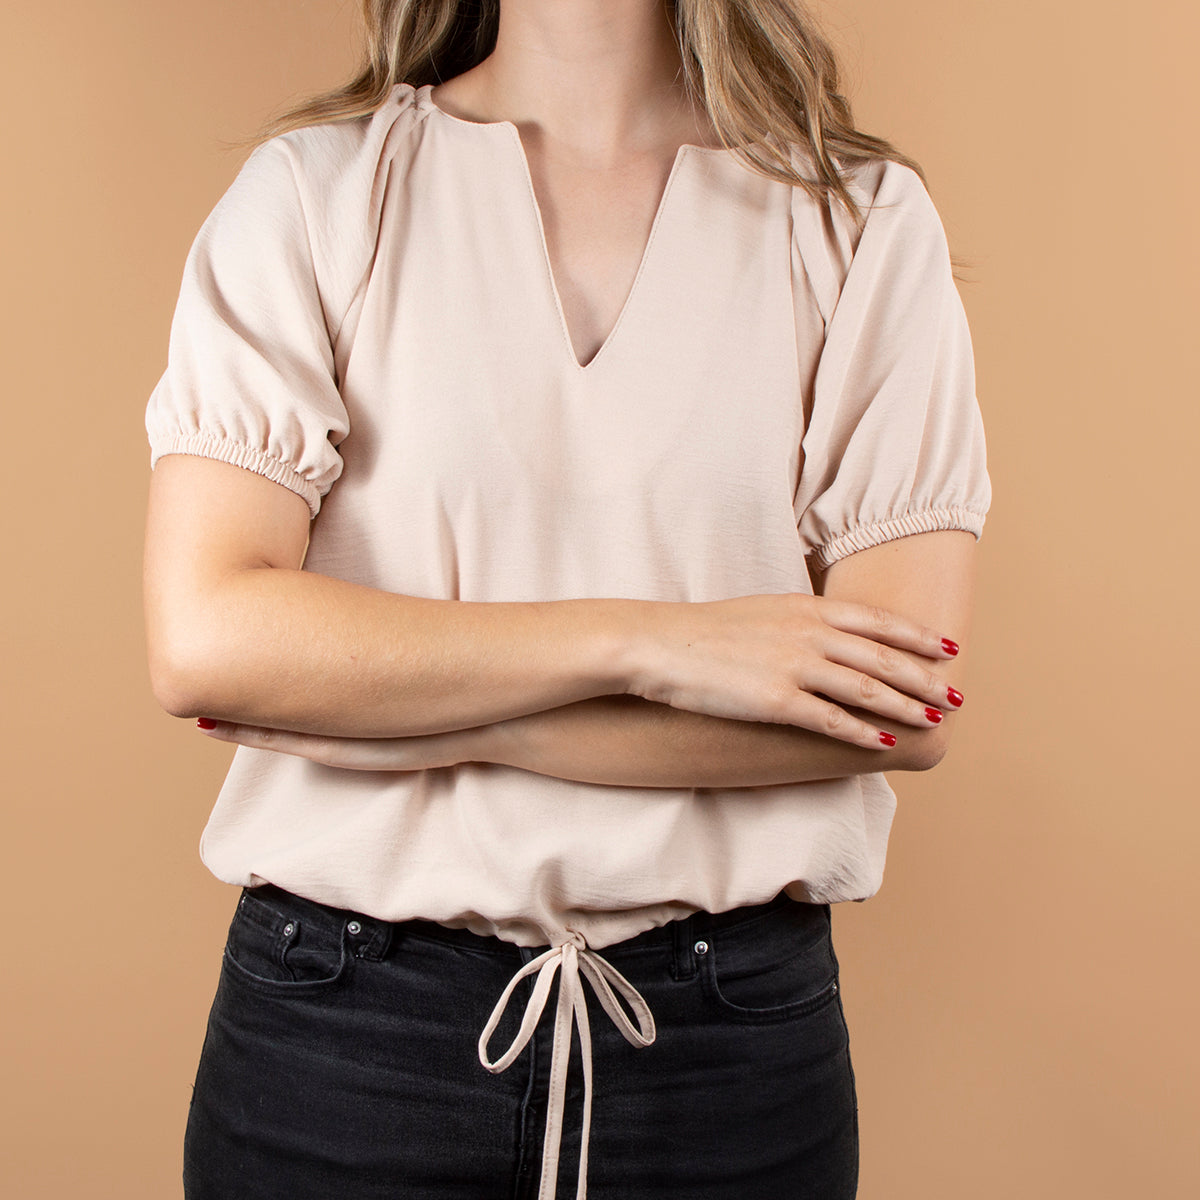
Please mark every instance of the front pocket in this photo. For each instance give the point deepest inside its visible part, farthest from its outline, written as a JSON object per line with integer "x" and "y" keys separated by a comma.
{"x": 779, "y": 968}
{"x": 274, "y": 948}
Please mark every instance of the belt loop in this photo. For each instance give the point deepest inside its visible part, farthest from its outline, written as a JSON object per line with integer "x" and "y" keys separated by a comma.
{"x": 684, "y": 964}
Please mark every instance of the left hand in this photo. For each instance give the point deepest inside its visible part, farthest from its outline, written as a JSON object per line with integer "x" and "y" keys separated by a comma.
{"x": 419, "y": 753}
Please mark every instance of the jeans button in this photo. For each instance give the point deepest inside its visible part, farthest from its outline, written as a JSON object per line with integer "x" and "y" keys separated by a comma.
{"x": 354, "y": 927}
{"x": 701, "y": 947}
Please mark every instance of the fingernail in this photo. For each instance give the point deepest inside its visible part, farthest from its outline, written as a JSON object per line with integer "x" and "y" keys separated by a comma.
{"x": 206, "y": 723}
{"x": 933, "y": 714}
{"x": 888, "y": 739}
{"x": 955, "y": 697}
{"x": 949, "y": 646}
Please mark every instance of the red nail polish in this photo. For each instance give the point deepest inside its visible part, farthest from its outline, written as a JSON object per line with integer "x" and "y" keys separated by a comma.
{"x": 206, "y": 723}
{"x": 888, "y": 739}
{"x": 949, "y": 646}
{"x": 933, "y": 715}
{"x": 955, "y": 697}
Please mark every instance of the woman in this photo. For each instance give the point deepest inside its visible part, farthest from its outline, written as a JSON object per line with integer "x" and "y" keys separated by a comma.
{"x": 566, "y": 477}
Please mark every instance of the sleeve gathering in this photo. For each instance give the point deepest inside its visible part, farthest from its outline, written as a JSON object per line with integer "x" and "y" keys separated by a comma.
{"x": 894, "y": 443}
{"x": 250, "y": 376}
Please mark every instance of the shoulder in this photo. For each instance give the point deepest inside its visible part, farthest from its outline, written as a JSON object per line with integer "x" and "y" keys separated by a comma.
{"x": 894, "y": 205}
{"x": 894, "y": 199}
{"x": 336, "y": 164}
{"x": 878, "y": 185}
{"x": 878, "y": 182}
{"x": 325, "y": 185}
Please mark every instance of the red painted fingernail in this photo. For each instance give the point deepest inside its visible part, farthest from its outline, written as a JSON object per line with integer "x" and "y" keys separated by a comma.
{"x": 949, "y": 646}
{"x": 206, "y": 723}
{"x": 955, "y": 697}
{"x": 888, "y": 739}
{"x": 933, "y": 715}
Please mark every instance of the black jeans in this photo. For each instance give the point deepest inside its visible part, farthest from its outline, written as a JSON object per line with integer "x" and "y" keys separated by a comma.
{"x": 340, "y": 1063}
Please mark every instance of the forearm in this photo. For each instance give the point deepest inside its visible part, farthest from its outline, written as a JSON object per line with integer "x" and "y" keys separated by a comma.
{"x": 237, "y": 631}
{"x": 628, "y": 741}
{"x": 296, "y": 650}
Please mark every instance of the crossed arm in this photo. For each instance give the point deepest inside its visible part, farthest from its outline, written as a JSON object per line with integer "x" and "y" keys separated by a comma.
{"x": 306, "y": 664}
{"x": 627, "y": 740}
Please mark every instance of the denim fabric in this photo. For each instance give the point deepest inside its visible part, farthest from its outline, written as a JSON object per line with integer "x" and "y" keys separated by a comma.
{"x": 340, "y": 1063}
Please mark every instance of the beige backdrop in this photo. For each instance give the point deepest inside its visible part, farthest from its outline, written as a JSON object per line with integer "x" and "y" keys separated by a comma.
{"x": 1022, "y": 993}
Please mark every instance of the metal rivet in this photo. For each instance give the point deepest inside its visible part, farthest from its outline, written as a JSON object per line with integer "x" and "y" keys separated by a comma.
{"x": 701, "y": 947}
{"x": 835, "y": 987}
{"x": 289, "y": 929}
{"x": 354, "y": 927}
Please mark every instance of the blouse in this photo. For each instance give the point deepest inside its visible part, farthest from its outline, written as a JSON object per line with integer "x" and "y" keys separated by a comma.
{"x": 368, "y": 317}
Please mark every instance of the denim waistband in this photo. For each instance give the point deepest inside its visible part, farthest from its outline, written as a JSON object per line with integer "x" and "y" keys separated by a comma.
{"x": 379, "y": 934}
{"x": 574, "y": 962}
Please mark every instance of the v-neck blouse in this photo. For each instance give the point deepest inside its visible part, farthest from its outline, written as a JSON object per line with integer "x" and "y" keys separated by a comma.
{"x": 424, "y": 100}
{"x": 368, "y": 317}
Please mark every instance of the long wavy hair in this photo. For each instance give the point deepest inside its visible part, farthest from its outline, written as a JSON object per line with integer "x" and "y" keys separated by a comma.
{"x": 761, "y": 69}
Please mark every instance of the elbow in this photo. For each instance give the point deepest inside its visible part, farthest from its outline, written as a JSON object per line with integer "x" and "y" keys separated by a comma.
{"x": 181, "y": 678}
{"x": 925, "y": 749}
{"x": 173, "y": 696}
{"x": 175, "y": 690}
{"x": 193, "y": 648}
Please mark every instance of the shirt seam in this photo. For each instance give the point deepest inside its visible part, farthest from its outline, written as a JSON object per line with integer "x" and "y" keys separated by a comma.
{"x": 873, "y": 533}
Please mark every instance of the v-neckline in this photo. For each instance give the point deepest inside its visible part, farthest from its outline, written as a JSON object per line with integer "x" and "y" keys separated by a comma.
{"x": 425, "y": 93}
{"x": 556, "y": 296}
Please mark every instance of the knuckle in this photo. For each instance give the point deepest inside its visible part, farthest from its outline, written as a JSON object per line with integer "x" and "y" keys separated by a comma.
{"x": 834, "y": 718}
{"x": 880, "y": 617}
{"x": 868, "y": 686}
{"x": 780, "y": 707}
{"x": 810, "y": 612}
{"x": 888, "y": 658}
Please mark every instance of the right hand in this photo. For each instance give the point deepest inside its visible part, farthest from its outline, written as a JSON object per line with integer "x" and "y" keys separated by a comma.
{"x": 791, "y": 659}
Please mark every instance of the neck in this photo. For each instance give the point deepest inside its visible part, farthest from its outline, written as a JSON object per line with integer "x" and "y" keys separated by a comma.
{"x": 590, "y": 79}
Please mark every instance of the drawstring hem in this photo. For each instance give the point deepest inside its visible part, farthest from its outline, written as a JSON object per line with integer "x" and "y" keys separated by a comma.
{"x": 573, "y": 957}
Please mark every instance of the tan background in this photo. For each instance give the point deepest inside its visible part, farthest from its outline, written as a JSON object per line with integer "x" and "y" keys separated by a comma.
{"x": 1022, "y": 994}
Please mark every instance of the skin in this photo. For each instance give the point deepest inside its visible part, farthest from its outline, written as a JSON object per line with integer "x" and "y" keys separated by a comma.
{"x": 627, "y": 741}
{"x": 744, "y": 692}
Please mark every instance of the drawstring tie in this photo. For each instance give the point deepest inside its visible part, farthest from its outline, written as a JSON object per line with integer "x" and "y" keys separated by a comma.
{"x": 573, "y": 957}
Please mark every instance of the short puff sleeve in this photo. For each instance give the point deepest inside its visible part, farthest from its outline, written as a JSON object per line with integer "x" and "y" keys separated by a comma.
{"x": 250, "y": 375}
{"x": 894, "y": 443}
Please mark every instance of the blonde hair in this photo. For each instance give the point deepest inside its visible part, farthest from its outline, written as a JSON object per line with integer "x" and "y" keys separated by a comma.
{"x": 761, "y": 69}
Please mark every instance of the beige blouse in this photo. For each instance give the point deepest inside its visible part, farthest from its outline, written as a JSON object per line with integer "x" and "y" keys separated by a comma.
{"x": 368, "y": 317}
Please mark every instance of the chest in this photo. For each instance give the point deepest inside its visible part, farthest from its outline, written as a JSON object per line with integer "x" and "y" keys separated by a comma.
{"x": 482, "y": 441}
{"x": 596, "y": 225}
{"x": 597, "y": 334}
